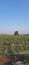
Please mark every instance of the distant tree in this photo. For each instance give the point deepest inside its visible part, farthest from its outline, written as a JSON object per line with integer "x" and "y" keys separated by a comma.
{"x": 16, "y": 33}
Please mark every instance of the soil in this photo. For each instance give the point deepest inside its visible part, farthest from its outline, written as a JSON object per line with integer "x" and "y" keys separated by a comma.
{"x": 4, "y": 60}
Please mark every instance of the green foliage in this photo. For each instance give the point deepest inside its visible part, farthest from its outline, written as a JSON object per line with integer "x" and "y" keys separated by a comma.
{"x": 12, "y": 40}
{"x": 27, "y": 59}
{"x": 22, "y": 41}
{"x": 16, "y": 33}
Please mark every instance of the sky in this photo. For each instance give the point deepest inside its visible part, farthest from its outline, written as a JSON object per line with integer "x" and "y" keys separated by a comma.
{"x": 14, "y": 16}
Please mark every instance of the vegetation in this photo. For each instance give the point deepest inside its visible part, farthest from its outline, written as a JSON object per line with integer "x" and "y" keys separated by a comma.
{"x": 18, "y": 43}
{"x": 27, "y": 59}
{"x": 21, "y": 42}
{"x": 16, "y": 33}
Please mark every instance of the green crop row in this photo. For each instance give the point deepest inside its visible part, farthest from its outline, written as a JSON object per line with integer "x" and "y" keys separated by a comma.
{"x": 22, "y": 42}
{"x": 14, "y": 39}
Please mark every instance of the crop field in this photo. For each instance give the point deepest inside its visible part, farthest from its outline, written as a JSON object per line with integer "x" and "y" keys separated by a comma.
{"x": 12, "y": 44}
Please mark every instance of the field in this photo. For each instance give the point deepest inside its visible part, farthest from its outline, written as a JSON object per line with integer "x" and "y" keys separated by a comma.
{"x": 20, "y": 40}
{"x": 12, "y": 44}
{"x": 7, "y": 60}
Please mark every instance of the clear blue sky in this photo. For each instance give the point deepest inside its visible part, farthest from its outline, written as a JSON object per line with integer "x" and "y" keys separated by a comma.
{"x": 14, "y": 15}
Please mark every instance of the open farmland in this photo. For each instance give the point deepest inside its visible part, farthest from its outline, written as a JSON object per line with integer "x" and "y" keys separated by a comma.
{"x": 12, "y": 44}
{"x": 19, "y": 40}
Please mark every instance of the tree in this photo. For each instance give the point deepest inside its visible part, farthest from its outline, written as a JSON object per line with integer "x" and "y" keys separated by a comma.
{"x": 16, "y": 33}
